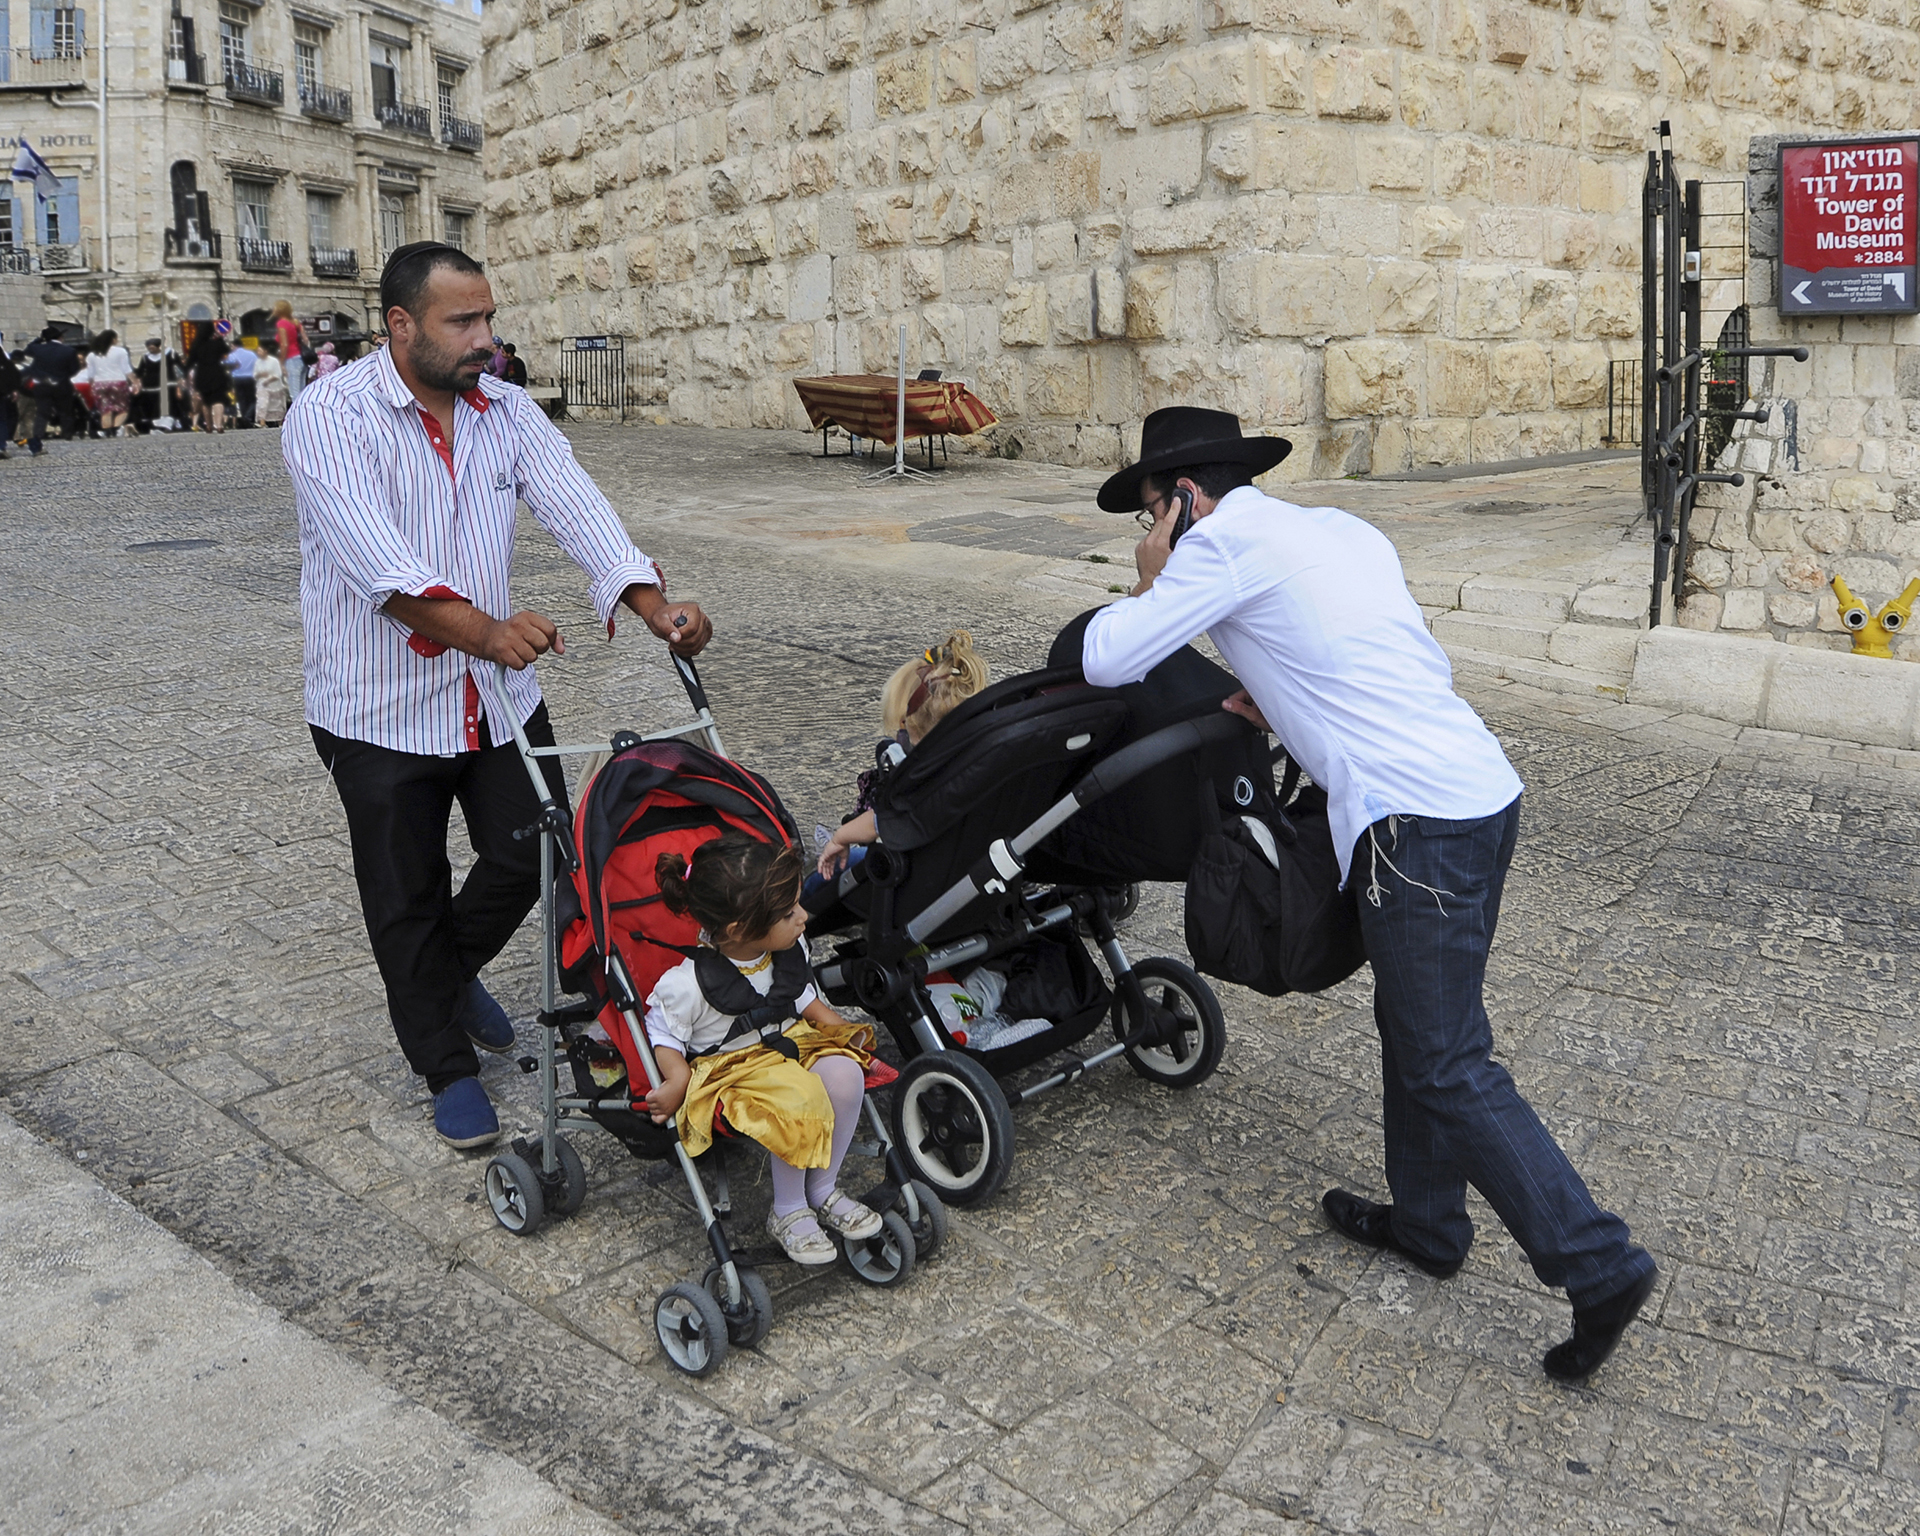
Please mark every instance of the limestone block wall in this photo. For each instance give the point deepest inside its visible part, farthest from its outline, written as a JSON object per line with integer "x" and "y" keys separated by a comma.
{"x": 1398, "y": 231}
{"x": 1833, "y": 474}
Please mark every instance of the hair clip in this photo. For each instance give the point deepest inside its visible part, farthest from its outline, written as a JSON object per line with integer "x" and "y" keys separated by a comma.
{"x": 936, "y": 655}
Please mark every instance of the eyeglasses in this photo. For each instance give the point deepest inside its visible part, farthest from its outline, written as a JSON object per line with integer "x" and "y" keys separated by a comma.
{"x": 1148, "y": 514}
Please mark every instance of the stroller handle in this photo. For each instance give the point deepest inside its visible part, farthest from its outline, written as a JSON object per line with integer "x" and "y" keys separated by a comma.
{"x": 1007, "y": 857}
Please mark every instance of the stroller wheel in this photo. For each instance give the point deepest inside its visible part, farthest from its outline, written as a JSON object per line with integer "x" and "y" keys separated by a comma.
{"x": 691, "y": 1327}
{"x": 513, "y": 1190}
{"x": 953, "y": 1127}
{"x": 930, "y": 1231}
{"x": 573, "y": 1192}
{"x": 747, "y": 1324}
{"x": 886, "y": 1258}
{"x": 1196, "y": 1029}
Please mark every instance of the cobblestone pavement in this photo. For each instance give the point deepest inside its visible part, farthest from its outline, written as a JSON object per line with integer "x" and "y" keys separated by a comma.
{"x": 1704, "y": 979}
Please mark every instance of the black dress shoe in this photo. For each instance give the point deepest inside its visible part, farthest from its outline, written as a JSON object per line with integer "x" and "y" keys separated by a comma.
{"x": 1596, "y": 1329}
{"x": 1367, "y": 1222}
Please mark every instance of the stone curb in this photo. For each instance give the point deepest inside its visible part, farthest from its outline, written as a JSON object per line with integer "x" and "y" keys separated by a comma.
{"x": 1778, "y": 687}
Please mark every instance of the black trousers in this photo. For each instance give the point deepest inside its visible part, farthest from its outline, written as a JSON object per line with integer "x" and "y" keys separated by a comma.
{"x": 243, "y": 401}
{"x": 429, "y": 940}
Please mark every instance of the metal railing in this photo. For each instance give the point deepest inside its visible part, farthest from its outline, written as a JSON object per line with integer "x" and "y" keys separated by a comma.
{"x": 260, "y": 87}
{"x": 332, "y": 102}
{"x": 405, "y": 116}
{"x": 192, "y": 248}
{"x": 1623, "y": 402}
{"x": 265, "y": 255}
{"x": 186, "y": 69}
{"x": 45, "y": 69}
{"x": 16, "y": 261}
{"x": 593, "y": 373}
{"x": 458, "y": 133}
{"x": 334, "y": 263}
{"x": 66, "y": 258}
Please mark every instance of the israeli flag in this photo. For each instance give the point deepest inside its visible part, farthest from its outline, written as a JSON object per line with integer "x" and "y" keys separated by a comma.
{"x": 28, "y": 166}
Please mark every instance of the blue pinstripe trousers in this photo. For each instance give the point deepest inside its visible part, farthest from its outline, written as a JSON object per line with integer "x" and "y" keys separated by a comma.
{"x": 1429, "y": 896}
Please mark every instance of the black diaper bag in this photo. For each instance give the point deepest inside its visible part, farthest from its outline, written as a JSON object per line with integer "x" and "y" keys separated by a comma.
{"x": 1279, "y": 924}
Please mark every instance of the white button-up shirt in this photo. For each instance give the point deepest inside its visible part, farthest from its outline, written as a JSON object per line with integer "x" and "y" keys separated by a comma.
{"x": 1310, "y": 608}
{"x": 387, "y": 505}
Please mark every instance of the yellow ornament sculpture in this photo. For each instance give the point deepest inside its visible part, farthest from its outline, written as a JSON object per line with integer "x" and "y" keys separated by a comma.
{"x": 1874, "y": 632}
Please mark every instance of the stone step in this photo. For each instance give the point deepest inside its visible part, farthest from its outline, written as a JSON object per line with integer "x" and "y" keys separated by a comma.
{"x": 1496, "y": 633}
{"x": 1596, "y": 648}
{"x": 1518, "y": 597}
{"x": 1549, "y": 675}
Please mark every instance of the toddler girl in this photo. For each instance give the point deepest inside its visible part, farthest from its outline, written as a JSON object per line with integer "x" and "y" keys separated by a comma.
{"x": 737, "y": 1027}
{"x": 917, "y": 697}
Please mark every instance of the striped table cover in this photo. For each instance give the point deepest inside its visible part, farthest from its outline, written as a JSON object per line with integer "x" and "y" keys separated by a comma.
{"x": 863, "y": 404}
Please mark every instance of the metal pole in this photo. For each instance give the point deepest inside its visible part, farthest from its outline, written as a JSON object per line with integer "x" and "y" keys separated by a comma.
{"x": 900, "y": 408}
{"x": 1692, "y": 280}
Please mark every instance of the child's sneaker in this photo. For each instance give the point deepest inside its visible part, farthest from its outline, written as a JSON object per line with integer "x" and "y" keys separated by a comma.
{"x": 808, "y": 1247}
{"x": 841, "y": 1213}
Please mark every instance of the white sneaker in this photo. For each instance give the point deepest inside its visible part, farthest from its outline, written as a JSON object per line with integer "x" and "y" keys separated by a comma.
{"x": 810, "y": 1247}
{"x": 841, "y": 1213}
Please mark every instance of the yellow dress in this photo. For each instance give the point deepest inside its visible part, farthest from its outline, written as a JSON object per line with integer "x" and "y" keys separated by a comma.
{"x": 770, "y": 1097}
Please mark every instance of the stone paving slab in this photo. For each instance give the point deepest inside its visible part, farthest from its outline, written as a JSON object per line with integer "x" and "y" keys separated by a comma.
{"x": 1703, "y": 979}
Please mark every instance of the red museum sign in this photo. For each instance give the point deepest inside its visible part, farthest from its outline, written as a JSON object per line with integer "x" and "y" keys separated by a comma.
{"x": 1847, "y": 227}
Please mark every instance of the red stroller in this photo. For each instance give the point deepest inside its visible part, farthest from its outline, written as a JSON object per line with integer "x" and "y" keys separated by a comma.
{"x": 608, "y": 935}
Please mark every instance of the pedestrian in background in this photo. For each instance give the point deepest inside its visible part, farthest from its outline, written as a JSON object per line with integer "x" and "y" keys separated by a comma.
{"x": 270, "y": 384}
{"x": 241, "y": 366}
{"x": 47, "y": 389}
{"x": 326, "y": 362}
{"x": 516, "y": 370}
{"x": 110, "y": 374}
{"x": 9, "y": 411}
{"x": 211, "y": 382}
{"x": 292, "y": 336}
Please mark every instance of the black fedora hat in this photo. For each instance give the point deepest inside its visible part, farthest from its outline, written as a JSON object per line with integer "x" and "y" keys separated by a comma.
{"x": 1178, "y": 436}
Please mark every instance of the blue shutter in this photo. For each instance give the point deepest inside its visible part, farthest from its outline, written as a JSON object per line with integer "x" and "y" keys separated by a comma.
{"x": 6, "y": 58}
{"x": 66, "y": 209}
{"x": 40, "y": 30}
{"x": 79, "y": 33}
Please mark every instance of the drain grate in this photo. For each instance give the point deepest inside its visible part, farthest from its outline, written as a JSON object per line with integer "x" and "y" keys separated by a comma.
{"x": 166, "y": 546}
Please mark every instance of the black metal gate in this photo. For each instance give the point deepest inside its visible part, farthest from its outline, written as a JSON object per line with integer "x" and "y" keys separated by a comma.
{"x": 593, "y": 373}
{"x": 1672, "y": 270}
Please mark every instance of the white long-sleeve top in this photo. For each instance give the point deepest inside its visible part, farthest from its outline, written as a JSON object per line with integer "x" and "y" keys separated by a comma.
{"x": 388, "y": 505}
{"x": 1311, "y": 610}
{"x": 109, "y": 367}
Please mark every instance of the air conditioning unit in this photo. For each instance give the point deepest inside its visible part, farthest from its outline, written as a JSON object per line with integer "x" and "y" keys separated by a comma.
{"x": 196, "y": 247}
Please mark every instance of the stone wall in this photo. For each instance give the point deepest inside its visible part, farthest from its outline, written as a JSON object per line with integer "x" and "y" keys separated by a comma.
{"x": 1399, "y": 231}
{"x": 1833, "y": 474}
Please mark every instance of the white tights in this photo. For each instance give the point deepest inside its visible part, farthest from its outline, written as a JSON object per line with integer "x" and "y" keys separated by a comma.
{"x": 797, "y": 1189}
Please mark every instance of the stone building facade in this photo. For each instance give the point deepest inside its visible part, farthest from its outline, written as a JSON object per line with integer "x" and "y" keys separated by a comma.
{"x": 254, "y": 150}
{"x": 1832, "y": 475}
{"x": 1399, "y": 231}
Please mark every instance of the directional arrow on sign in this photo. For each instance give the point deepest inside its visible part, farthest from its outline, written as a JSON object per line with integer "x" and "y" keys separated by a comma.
{"x": 1800, "y": 292}
{"x": 1897, "y": 281}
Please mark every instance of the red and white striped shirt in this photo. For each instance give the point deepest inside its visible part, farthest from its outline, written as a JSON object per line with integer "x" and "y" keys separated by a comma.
{"x": 386, "y": 506}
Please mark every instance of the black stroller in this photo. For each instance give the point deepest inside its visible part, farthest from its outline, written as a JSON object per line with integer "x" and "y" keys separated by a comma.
{"x": 1019, "y": 822}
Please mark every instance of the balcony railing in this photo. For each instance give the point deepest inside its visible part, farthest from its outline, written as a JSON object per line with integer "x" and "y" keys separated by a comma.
{"x": 405, "y": 116}
{"x": 265, "y": 255}
{"x": 332, "y": 263}
{"x": 187, "y": 69}
{"x": 458, "y": 133}
{"x": 192, "y": 248}
{"x": 333, "y": 102}
{"x": 47, "y": 69}
{"x": 260, "y": 87}
{"x": 24, "y": 260}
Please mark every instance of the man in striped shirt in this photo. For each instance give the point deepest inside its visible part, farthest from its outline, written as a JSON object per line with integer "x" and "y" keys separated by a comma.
{"x": 407, "y": 469}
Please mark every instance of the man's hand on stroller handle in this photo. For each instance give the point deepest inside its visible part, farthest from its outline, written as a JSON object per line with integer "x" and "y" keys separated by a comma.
{"x": 1241, "y": 704}
{"x": 682, "y": 625}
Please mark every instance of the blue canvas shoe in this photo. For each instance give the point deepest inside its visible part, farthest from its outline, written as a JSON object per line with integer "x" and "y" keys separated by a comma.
{"x": 463, "y": 1115}
{"x": 485, "y": 1021}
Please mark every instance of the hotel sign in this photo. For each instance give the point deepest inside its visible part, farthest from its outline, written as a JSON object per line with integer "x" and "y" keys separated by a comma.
{"x": 1847, "y": 227}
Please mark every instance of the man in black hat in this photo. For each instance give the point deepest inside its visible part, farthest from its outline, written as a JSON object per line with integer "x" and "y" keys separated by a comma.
{"x": 1310, "y": 608}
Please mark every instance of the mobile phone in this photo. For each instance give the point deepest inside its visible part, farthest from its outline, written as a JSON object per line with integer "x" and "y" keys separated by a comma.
{"x": 1184, "y": 499}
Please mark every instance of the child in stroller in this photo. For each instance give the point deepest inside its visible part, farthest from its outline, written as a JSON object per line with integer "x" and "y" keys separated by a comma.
{"x": 719, "y": 1023}
{"x": 920, "y": 694}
